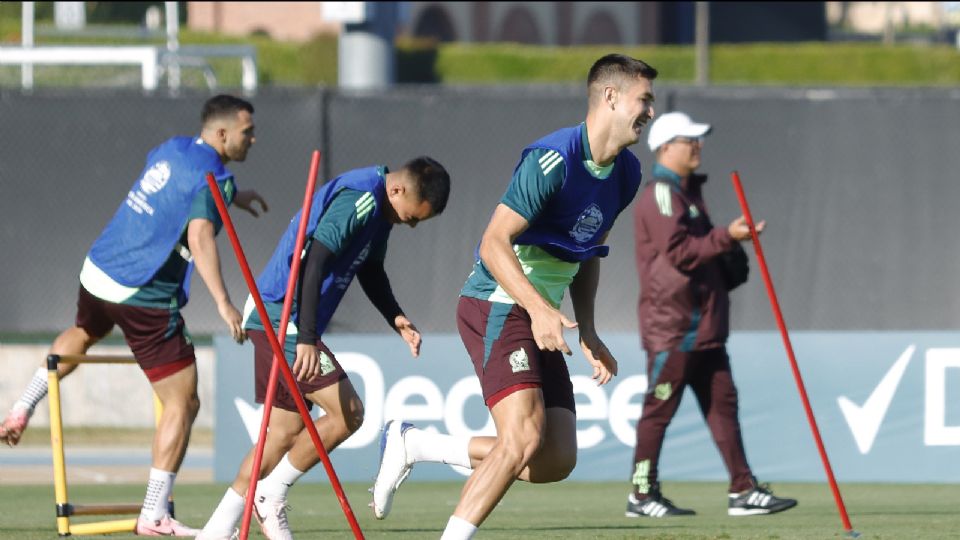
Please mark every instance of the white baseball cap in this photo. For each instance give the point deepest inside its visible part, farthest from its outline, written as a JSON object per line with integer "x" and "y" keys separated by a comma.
{"x": 675, "y": 124}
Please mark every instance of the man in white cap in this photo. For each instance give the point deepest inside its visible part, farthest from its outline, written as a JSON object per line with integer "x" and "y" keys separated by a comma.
{"x": 686, "y": 267}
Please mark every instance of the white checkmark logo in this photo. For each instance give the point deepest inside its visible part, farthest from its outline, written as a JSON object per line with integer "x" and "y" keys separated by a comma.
{"x": 251, "y": 415}
{"x": 864, "y": 421}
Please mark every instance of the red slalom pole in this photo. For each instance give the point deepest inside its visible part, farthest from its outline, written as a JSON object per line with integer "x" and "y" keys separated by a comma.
{"x": 775, "y": 306}
{"x": 275, "y": 368}
{"x": 300, "y": 239}
{"x": 278, "y": 353}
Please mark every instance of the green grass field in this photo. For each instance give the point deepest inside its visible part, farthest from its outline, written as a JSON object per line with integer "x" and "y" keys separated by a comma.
{"x": 567, "y": 510}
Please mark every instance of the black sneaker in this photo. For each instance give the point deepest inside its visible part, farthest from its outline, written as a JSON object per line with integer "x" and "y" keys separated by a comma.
{"x": 758, "y": 501}
{"x": 654, "y": 505}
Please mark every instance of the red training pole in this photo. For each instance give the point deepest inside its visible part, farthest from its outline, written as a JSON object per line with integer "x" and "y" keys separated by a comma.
{"x": 278, "y": 353}
{"x": 274, "y": 368}
{"x": 775, "y": 306}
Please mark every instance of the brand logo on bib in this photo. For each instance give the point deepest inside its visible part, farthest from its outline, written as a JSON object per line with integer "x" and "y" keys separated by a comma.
{"x": 155, "y": 178}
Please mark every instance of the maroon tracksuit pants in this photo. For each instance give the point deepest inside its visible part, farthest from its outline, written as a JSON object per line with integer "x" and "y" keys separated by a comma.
{"x": 708, "y": 375}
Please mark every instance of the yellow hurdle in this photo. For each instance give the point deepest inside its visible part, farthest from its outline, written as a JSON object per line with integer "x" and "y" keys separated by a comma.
{"x": 64, "y": 509}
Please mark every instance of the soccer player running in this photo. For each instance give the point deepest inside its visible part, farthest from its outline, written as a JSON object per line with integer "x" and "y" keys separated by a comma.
{"x": 347, "y": 233}
{"x": 546, "y": 234}
{"x": 136, "y": 276}
{"x": 684, "y": 314}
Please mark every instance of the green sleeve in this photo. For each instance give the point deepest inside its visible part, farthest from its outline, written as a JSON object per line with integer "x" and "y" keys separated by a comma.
{"x": 204, "y": 206}
{"x": 346, "y": 214}
{"x": 539, "y": 176}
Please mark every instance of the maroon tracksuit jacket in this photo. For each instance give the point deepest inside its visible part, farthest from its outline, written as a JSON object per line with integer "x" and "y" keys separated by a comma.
{"x": 683, "y": 301}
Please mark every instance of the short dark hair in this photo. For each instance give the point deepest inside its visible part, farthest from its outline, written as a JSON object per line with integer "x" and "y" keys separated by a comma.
{"x": 432, "y": 181}
{"x": 223, "y": 105}
{"x": 614, "y": 66}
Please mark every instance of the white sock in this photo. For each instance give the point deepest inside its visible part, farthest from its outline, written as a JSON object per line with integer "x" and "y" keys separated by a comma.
{"x": 458, "y": 529}
{"x": 226, "y": 515}
{"x": 278, "y": 482}
{"x": 36, "y": 390}
{"x": 422, "y": 445}
{"x": 158, "y": 492}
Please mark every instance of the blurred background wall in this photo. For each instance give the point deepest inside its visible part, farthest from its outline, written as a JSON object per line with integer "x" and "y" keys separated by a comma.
{"x": 858, "y": 186}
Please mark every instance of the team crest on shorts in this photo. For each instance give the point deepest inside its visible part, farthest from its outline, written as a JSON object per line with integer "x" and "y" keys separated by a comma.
{"x": 519, "y": 361}
{"x": 663, "y": 391}
{"x": 588, "y": 224}
{"x": 326, "y": 365}
{"x": 694, "y": 212}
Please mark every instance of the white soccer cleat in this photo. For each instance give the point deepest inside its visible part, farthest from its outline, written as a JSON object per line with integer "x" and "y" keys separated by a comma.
{"x": 167, "y": 526}
{"x": 271, "y": 513}
{"x": 394, "y": 468}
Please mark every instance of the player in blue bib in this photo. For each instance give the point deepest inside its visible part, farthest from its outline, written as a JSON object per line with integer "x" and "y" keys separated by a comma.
{"x": 347, "y": 232}
{"x": 546, "y": 236}
{"x": 136, "y": 276}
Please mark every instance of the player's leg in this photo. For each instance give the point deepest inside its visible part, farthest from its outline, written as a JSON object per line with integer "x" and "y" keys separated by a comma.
{"x": 344, "y": 416}
{"x": 515, "y": 379}
{"x": 521, "y": 424}
{"x": 92, "y": 324}
{"x": 334, "y": 393}
{"x": 666, "y": 378}
{"x": 160, "y": 343}
{"x": 285, "y": 425}
{"x": 178, "y": 395}
{"x": 558, "y": 455}
{"x": 284, "y": 428}
{"x": 555, "y": 461}
{"x": 712, "y": 383}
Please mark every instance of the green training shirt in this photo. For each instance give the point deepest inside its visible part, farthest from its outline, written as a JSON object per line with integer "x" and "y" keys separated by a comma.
{"x": 336, "y": 228}
{"x": 540, "y": 175}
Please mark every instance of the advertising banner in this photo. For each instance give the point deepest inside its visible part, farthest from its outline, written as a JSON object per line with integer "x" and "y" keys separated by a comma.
{"x": 887, "y": 405}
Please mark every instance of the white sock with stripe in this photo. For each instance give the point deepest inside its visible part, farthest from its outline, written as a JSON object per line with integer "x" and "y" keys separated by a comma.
{"x": 35, "y": 391}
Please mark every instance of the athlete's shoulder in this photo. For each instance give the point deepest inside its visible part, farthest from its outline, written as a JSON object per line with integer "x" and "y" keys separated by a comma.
{"x": 544, "y": 162}
{"x": 357, "y": 204}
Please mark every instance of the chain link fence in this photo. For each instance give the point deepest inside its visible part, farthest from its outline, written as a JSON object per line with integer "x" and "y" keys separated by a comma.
{"x": 858, "y": 188}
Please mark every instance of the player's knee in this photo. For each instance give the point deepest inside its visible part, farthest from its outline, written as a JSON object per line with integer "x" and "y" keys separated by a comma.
{"x": 353, "y": 417}
{"x": 284, "y": 435}
{"x": 193, "y": 407}
{"x": 522, "y": 448}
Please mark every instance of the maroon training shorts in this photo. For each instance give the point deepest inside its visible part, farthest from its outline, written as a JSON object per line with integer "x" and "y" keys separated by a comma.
{"x": 157, "y": 337}
{"x": 263, "y": 360}
{"x": 505, "y": 356}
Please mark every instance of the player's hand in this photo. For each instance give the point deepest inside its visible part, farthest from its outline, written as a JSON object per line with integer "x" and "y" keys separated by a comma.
{"x": 245, "y": 198}
{"x": 740, "y": 231}
{"x": 604, "y": 364}
{"x": 409, "y": 333}
{"x": 232, "y": 317}
{"x": 547, "y": 325}
{"x": 307, "y": 365}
